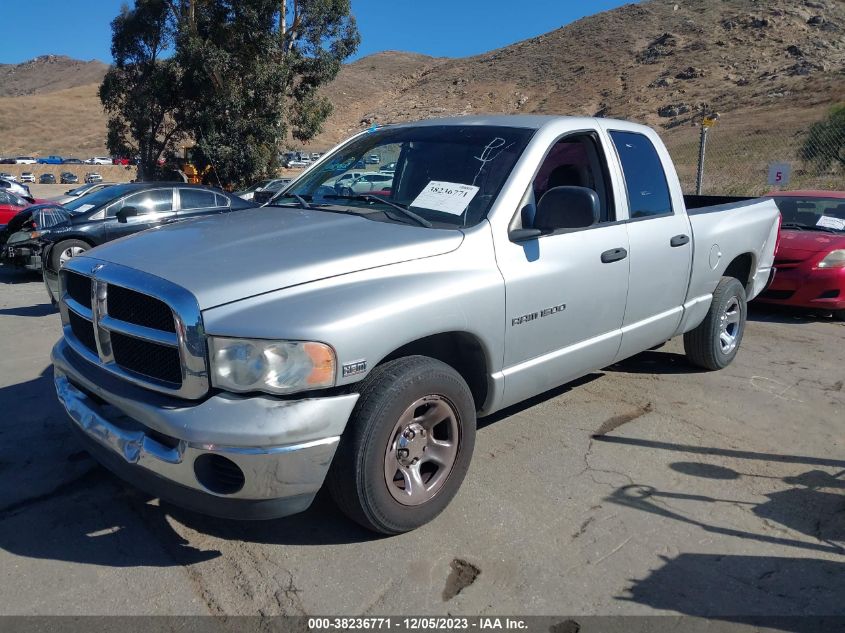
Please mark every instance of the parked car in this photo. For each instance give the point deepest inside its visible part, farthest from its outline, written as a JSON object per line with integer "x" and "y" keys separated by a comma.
{"x": 15, "y": 187}
{"x": 391, "y": 167}
{"x": 25, "y": 160}
{"x": 366, "y": 183}
{"x": 264, "y": 194}
{"x": 99, "y": 160}
{"x": 20, "y": 237}
{"x": 72, "y": 161}
{"x": 296, "y": 163}
{"x": 373, "y": 159}
{"x": 68, "y": 178}
{"x": 315, "y": 155}
{"x": 50, "y": 160}
{"x": 247, "y": 194}
{"x": 28, "y": 176}
{"x": 93, "y": 176}
{"x": 120, "y": 160}
{"x": 88, "y": 188}
{"x": 810, "y": 261}
{"x": 343, "y": 180}
{"x": 47, "y": 179}
{"x": 10, "y": 205}
{"x": 124, "y": 209}
{"x": 7, "y": 176}
{"x": 356, "y": 339}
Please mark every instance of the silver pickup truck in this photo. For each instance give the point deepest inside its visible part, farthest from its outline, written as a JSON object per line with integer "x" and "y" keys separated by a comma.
{"x": 350, "y": 333}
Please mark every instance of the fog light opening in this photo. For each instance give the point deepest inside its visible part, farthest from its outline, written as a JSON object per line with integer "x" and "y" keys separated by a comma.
{"x": 219, "y": 474}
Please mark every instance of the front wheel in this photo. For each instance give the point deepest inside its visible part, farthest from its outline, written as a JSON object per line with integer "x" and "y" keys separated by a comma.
{"x": 65, "y": 250}
{"x": 407, "y": 446}
{"x": 715, "y": 342}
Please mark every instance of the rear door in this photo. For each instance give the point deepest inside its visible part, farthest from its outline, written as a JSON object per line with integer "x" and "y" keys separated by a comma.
{"x": 155, "y": 207}
{"x": 660, "y": 241}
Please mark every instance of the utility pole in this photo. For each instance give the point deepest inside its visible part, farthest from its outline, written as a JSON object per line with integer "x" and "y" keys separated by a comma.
{"x": 707, "y": 121}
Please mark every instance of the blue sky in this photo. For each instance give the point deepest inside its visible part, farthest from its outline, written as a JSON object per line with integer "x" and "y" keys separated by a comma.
{"x": 448, "y": 28}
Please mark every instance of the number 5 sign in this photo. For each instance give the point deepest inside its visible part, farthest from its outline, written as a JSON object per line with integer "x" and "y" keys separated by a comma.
{"x": 779, "y": 174}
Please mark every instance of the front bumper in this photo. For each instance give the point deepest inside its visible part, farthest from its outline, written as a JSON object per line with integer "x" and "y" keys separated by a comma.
{"x": 192, "y": 453}
{"x": 819, "y": 288}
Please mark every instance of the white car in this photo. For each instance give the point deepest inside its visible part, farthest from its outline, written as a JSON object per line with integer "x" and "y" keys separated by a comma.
{"x": 99, "y": 160}
{"x": 93, "y": 177}
{"x": 369, "y": 182}
{"x": 28, "y": 176}
{"x": 7, "y": 176}
{"x": 25, "y": 160}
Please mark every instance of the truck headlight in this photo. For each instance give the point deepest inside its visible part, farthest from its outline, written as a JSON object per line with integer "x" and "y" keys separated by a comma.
{"x": 278, "y": 367}
{"x": 834, "y": 259}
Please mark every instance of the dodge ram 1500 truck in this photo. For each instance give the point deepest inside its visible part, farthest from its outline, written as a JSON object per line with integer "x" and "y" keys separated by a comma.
{"x": 236, "y": 364}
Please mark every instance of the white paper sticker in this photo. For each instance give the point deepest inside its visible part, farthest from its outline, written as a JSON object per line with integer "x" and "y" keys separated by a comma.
{"x": 449, "y": 197}
{"x": 84, "y": 208}
{"x": 831, "y": 223}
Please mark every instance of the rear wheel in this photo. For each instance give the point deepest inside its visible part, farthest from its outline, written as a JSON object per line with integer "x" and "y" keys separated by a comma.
{"x": 65, "y": 250}
{"x": 407, "y": 446}
{"x": 715, "y": 342}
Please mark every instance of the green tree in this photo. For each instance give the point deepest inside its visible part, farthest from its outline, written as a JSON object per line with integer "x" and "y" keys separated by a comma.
{"x": 825, "y": 142}
{"x": 140, "y": 92}
{"x": 251, "y": 70}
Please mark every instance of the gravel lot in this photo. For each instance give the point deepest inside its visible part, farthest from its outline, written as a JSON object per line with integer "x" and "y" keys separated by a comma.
{"x": 718, "y": 494}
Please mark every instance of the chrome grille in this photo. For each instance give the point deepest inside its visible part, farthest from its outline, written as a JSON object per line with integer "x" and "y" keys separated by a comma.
{"x": 142, "y": 328}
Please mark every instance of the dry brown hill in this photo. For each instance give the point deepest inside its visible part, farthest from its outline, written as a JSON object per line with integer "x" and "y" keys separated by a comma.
{"x": 764, "y": 63}
{"x": 654, "y": 62}
{"x": 48, "y": 73}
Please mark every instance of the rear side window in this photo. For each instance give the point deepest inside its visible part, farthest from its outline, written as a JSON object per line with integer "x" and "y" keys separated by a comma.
{"x": 197, "y": 199}
{"x": 645, "y": 181}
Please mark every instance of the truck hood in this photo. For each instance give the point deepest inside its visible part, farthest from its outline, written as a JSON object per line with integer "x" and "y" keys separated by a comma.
{"x": 232, "y": 256}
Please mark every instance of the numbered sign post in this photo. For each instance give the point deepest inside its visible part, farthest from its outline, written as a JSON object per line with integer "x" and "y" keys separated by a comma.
{"x": 779, "y": 174}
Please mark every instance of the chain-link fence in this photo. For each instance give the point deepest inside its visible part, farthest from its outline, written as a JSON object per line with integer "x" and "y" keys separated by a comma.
{"x": 755, "y": 154}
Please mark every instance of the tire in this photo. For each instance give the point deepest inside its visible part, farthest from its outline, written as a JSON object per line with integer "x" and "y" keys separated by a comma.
{"x": 839, "y": 315}
{"x": 715, "y": 342}
{"x": 415, "y": 390}
{"x": 71, "y": 247}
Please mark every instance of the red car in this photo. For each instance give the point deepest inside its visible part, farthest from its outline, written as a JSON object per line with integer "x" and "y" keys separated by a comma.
{"x": 810, "y": 261}
{"x": 10, "y": 204}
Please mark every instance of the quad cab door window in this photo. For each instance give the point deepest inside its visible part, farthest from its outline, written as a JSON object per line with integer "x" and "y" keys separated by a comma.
{"x": 661, "y": 246}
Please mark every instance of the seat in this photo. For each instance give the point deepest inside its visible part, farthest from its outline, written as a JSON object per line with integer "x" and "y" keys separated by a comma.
{"x": 807, "y": 218}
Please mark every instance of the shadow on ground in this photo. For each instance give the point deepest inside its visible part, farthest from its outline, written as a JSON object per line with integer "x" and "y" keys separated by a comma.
{"x": 735, "y": 587}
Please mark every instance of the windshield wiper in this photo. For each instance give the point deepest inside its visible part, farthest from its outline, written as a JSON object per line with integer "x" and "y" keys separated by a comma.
{"x": 407, "y": 213}
{"x": 804, "y": 227}
{"x": 793, "y": 225}
{"x": 302, "y": 201}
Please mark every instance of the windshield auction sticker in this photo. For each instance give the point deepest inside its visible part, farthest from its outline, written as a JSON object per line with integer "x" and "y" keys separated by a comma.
{"x": 831, "y": 223}
{"x": 448, "y": 197}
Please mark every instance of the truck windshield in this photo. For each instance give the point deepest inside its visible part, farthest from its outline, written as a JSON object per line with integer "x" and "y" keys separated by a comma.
{"x": 448, "y": 175}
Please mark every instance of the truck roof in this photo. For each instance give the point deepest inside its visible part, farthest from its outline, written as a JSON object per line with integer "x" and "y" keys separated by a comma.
{"x": 530, "y": 121}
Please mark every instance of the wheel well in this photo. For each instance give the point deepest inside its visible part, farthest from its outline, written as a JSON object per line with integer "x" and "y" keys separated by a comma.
{"x": 459, "y": 350}
{"x": 740, "y": 268}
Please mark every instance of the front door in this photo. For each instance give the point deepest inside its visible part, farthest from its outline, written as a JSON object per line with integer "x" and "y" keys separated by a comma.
{"x": 154, "y": 206}
{"x": 566, "y": 292}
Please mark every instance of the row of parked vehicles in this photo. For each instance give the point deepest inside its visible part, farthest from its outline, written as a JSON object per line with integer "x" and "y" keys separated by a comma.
{"x": 58, "y": 160}
{"x": 48, "y": 178}
{"x": 239, "y": 360}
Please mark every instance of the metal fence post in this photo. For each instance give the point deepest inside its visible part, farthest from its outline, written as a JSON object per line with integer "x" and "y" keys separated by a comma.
{"x": 707, "y": 121}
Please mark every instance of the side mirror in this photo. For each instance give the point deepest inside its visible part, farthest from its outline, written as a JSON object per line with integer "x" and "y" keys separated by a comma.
{"x": 126, "y": 212}
{"x": 563, "y": 208}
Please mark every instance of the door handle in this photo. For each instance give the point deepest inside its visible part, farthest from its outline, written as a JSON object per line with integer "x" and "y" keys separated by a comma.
{"x": 613, "y": 255}
{"x": 679, "y": 240}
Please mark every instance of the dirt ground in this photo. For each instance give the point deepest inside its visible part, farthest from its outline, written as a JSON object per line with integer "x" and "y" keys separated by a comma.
{"x": 718, "y": 494}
